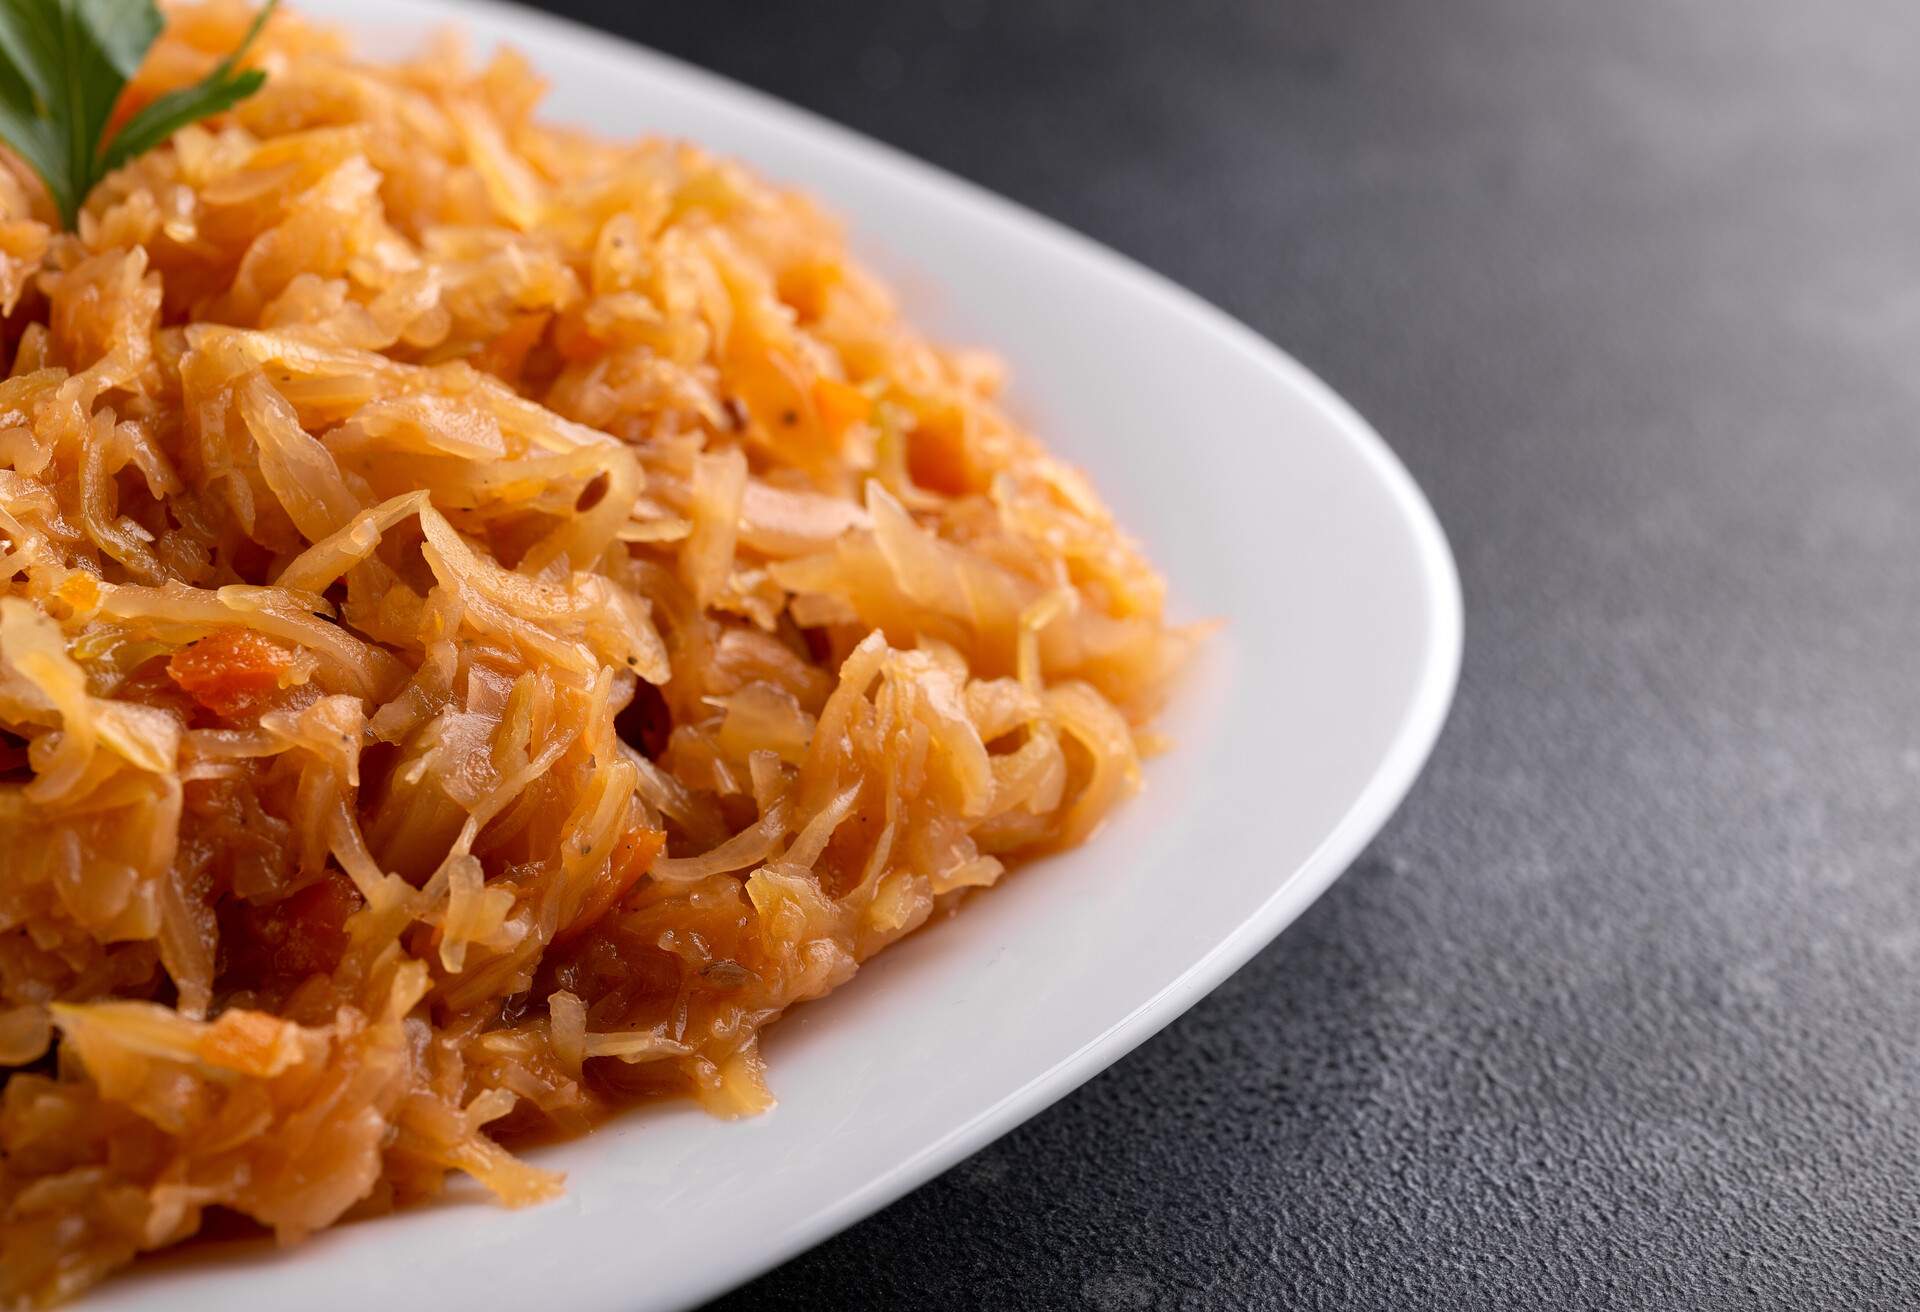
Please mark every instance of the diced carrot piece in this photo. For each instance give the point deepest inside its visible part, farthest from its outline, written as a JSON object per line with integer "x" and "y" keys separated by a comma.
{"x": 840, "y": 405}
{"x": 230, "y": 671}
{"x": 805, "y": 287}
{"x": 937, "y": 457}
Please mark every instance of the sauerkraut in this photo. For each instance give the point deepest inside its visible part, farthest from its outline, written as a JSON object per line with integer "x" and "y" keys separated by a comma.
{"x": 492, "y": 617}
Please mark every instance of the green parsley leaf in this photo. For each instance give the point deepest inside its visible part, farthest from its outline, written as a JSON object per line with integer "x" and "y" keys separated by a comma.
{"x": 220, "y": 90}
{"x": 63, "y": 65}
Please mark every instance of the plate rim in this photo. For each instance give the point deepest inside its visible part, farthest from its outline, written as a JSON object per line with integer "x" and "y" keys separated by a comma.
{"x": 1412, "y": 742}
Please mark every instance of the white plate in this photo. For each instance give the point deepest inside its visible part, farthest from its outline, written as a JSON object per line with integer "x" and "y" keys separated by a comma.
{"x": 1267, "y": 501}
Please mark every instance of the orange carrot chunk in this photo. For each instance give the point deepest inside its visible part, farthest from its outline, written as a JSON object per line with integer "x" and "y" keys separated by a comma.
{"x": 230, "y": 671}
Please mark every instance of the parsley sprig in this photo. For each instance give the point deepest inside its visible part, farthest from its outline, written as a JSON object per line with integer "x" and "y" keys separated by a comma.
{"x": 63, "y": 64}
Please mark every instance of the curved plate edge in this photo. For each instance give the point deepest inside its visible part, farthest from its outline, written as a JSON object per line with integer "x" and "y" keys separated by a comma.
{"x": 1421, "y": 719}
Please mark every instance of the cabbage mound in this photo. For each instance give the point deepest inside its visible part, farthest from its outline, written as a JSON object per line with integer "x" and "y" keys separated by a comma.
{"x": 492, "y": 617}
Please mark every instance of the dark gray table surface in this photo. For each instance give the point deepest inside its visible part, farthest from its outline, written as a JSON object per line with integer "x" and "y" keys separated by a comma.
{"x": 1620, "y": 1010}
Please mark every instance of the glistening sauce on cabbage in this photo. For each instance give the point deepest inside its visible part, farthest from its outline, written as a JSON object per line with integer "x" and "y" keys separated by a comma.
{"x": 492, "y": 618}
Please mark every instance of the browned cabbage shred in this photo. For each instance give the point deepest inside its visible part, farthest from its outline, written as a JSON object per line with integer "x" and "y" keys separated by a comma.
{"x": 491, "y": 618}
